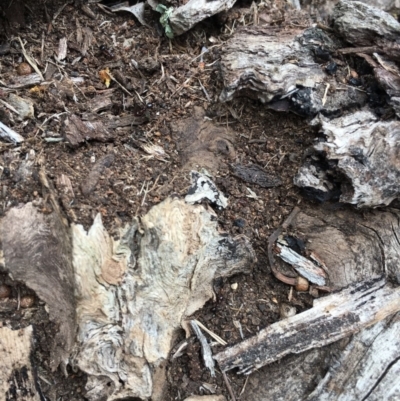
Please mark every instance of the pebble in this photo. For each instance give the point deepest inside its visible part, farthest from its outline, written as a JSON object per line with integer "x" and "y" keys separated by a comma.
{"x": 5, "y": 291}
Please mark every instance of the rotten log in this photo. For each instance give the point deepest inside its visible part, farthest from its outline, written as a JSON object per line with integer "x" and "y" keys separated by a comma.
{"x": 362, "y": 152}
{"x": 131, "y": 294}
{"x": 331, "y": 318}
{"x": 278, "y": 67}
{"x": 367, "y": 369}
{"x": 365, "y": 25}
{"x": 134, "y": 293}
{"x": 352, "y": 247}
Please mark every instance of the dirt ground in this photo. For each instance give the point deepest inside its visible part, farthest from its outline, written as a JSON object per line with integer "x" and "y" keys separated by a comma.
{"x": 160, "y": 83}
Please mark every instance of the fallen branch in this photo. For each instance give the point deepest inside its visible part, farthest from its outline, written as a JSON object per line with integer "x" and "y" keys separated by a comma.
{"x": 332, "y": 318}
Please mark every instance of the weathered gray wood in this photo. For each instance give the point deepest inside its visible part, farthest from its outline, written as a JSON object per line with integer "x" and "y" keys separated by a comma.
{"x": 364, "y": 25}
{"x": 277, "y": 66}
{"x": 188, "y": 15}
{"x": 366, "y": 152}
{"x": 367, "y": 369}
{"x": 37, "y": 251}
{"x": 9, "y": 134}
{"x": 17, "y": 378}
{"x": 331, "y": 318}
{"x": 302, "y": 265}
{"x": 134, "y": 293}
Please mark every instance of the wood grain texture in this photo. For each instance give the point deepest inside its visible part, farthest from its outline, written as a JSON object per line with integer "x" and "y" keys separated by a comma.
{"x": 331, "y": 318}
{"x": 37, "y": 251}
{"x": 17, "y": 380}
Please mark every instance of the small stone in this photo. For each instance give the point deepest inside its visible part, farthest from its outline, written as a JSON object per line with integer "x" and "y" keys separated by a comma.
{"x": 27, "y": 301}
{"x": 24, "y": 69}
{"x": 286, "y": 311}
{"x": 5, "y": 291}
{"x": 234, "y": 286}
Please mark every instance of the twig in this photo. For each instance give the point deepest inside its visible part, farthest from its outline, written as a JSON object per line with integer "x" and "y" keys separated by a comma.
{"x": 228, "y": 386}
{"x": 9, "y": 106}
{"x": 271, "y": 241}
{"x": 325, "y": 94}
{"x": 245, "y": 383}
{"x": 213, "y": 335}
{"x": 205, "y": 347}
{"x": 205, "y": 91}
{"x": 366, "y": 49}
{"x": 30, "y": 60}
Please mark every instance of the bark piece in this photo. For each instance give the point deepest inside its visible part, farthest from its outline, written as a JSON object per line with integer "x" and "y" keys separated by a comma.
{"x": 77, "y": 131}
{"x": 302, "y": 265}
{"x": 91, "y": 181}
{"x": 37, "y": 251}
{"x": 331, "y": 318}
{"x": 62, "y": 49}
{"x": 188, "y": 15}
{"x": 279, "y": 66}
{"x": 126, "y": 121}
{"x": 366, "y": 152}
{"x": 17, "y": 379}
{"x": 255, "y": 175}
{"x": 367, "y": 369}
{"x": 203, "y": 188}
{"x": 101, "y": 102}
{"x": 137, "y": 10}
{"x": 205, "y": 348}
{"x": 9, "y": 134}
{"x": 364, "y": 25}
{"x": 24, "y": 107}
{"x": 199, "y": 141}
{"x": 167, "y": 265}
{"x": 24, "y": 81}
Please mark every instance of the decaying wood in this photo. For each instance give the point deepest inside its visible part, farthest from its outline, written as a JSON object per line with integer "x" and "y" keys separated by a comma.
{"x": 279, "y": 67}
{"x": 352, "y": 247}
{"x": 198, "y": 141}
{"x": 24, "y": 81}
{"x": 37, "y": 251}
{"x": 77, "y": 131}
{"x": 9, "y": 134}
{"x": 134, "y": 293}
{"x": 203, "y": 188}
{"x": 255, "y": 174}
{"x": 302, "y": 265}
{"x": 17, "y": 378}
{"x": 364, "y": 151}
{"x": 126, "y": 121}
{"x": 101, "y": 102}
{"x": 331, "y": 318}
{"x": 206, "y": 398}
{"x": 189, "y": 14}
{"x": 89, "y": 184}
{"x": 364, "y": 25}
{"x": 367, "y": 369}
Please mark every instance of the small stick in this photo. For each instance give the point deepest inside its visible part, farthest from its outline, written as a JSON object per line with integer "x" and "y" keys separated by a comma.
{"x": 325, "y": 94}
{"x": 30, "y": 59}
{"x": 205, "y": 347}
{"x": 271, "y": 240}
{"x": 228, "y": 386}
{"x": 245, "y": 383}
{"x": 213, "y": 335}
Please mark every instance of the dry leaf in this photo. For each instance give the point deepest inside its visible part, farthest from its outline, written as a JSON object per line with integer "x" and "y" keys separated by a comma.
{"x": 105, "y": 77}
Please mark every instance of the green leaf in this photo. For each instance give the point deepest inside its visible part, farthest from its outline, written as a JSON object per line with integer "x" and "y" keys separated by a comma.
{"x": 164, "y": 19}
